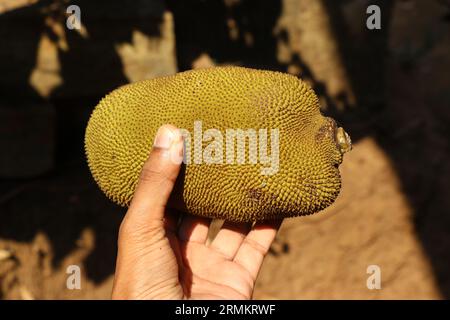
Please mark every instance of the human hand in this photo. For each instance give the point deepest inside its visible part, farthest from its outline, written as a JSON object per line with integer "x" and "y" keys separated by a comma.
{"x": 160, "y": 258}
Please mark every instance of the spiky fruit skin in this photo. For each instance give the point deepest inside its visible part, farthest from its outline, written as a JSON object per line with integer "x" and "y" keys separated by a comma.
{"x": 121, "y": 131}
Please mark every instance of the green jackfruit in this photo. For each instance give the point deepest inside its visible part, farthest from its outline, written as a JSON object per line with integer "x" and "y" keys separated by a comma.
{"x": 231, "y": 171}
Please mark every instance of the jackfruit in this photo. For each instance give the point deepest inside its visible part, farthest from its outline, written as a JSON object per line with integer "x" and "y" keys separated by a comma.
{"x": 220, "y": 180}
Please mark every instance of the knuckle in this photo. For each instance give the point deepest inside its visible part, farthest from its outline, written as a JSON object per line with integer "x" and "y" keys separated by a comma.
{"x": 157, "y": 174}
{"x": 256, "y": 246}
{"x": 148, "y": 174}
{"x": 139, "y": 232}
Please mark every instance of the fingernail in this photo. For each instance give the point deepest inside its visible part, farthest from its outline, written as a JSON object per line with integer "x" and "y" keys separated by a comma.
{"x": 176, "y": 151}
{"x": 164, "y": 138}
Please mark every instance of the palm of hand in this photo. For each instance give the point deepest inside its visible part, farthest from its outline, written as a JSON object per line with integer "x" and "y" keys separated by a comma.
{"x": 227, "y": 267}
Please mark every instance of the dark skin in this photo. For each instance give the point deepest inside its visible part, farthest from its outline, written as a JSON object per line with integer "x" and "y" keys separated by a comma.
{"x": 159, "y": 258}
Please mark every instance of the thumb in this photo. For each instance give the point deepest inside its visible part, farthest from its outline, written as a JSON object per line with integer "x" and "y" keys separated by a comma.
{"x": 158, "y": 176}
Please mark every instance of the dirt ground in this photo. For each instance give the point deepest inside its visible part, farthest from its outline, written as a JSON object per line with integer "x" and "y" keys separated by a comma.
{"x": 389, "y": 89}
